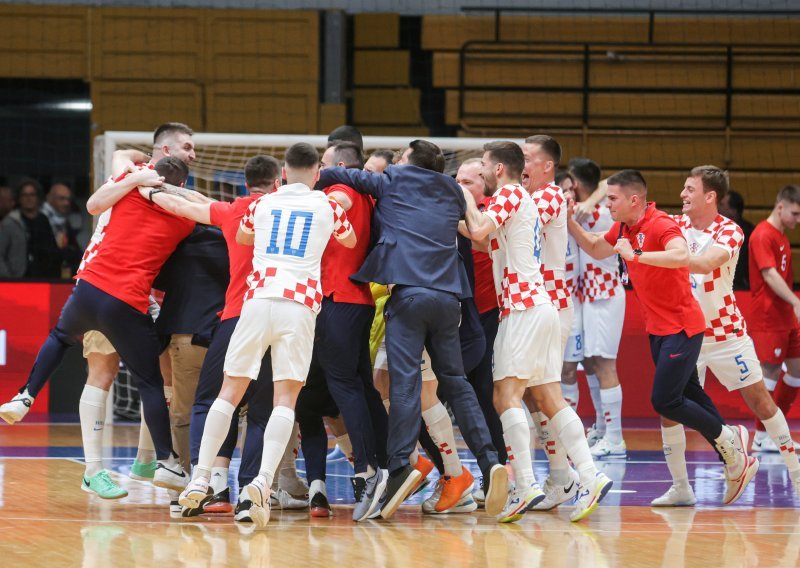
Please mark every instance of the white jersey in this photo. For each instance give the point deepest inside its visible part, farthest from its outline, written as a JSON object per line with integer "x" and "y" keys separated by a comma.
{"x": 552, "y": 208}
{"x": 714, "y": 291}
{"x": 599, "y": 279}
{"x": 292, "y": 227}
{"x": 572, "y": 267}
{"x": 515, "y": 248}
{"x": 97, "y": 238}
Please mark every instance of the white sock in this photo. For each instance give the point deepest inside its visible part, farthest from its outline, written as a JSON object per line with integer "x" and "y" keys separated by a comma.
{"x": 92, "y": 409}
{"x": 553, "y": 449}
{"x": 571, "y": 394}
{"x": 347, "y": 448}
{"x": 276, "y": 437}
{"x": 440, "y": 428}
{"x": 612, "y": 412}
{"x": 674, "y": 439}
{"x": 570, "y": 432}
{"x": 317, "y": 486}
{"x": 778, "y": 430}
{"x": 146, "y": 451}
{"x": 219, "y": 479}
{"x": 594, "y": 391}
{"x": 517, "y": 437}
{"x": 218, "y": 422}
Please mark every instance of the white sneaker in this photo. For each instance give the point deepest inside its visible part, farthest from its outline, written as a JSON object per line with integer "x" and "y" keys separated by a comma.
{"x": 764, "y": 444}
{"x": 175, "y": 508}
{"x": 739, "y": 467}
{"x": 258, "y": 493}
{"x": 195, "y": 493}
{"x": 293, "y": 484}
{"x": 588, "y": 498}
{"x": 478, "y": 494}
{"x": 466, "y": 503}
{"x": 593, "y": 435}
{"x": 676, "y": 497}
{"x": 519, "y": 500}
{"x": 607, "y": 449}
{"x": 555, "y": 494}
{"x": 16, "y": 409}
{"x": 172, "y": 477}
{"x": 281, "y": 499}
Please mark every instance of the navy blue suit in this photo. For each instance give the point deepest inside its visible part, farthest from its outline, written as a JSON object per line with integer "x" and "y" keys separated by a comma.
{"x": 416, "y": 251}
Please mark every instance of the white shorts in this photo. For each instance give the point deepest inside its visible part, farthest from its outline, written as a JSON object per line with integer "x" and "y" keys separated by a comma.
{"x": 565, "y": 319}
{"x": 733, "y": 362}
{"x": 528, "y": 346}
{"x": 96, "y": 342}
{"x": 602, "y": 326}
{"x": 573, "y": 353}
{"x": 284, "y": 325}
{"x": 382, "y": 362}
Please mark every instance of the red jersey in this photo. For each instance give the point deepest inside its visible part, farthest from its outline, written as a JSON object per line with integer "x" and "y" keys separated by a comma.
{"x": 769, "y": 248}
{"x": 227, "y": 217}
{"x": 485, "y": 294}
{"x": 339, "y": 262}
{"x": 138, "y": 239}
{"x": 665, "y": 294}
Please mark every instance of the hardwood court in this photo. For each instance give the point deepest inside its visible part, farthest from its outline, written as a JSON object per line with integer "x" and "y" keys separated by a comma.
{"x": 46, "y": 520}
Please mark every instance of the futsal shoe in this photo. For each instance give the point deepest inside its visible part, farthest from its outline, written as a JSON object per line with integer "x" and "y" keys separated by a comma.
{"x": 764, "y": 444}
{"x": 676, "y": 497}
{"x": 478, "y": 495}
{"x": 257, "y": 492}
{"x": 195, "y": 493}
{"x": 588, "y": 498}
{"x": 607, "y": 449}
{"x": 555, "y": 493}
{"x": 454, "y": 489}
{"x": 172, "y": 477}
{"x": 399, "y": 487}
{"x": 496, "y": 490}
{"x": 368, "y": 492}
{"x": 424, "y": 466}
{"x": 739, "y": 466}
{"x": 16, "y": 409}
{"x": 519, "y": 500}
{"x": 466, "y": 503}
{"x": 143, "y": 471}
{"x": 319, "y": 506}
{"x": 293, "y": 484}
{"x": 594, "y": 434}
{"x": 242, "y": 512}
{"x": 220, "y": 503}
{"x": 283, "y": 500}
{"x": 175, "y": 508}
{"x": 103, "y": 486}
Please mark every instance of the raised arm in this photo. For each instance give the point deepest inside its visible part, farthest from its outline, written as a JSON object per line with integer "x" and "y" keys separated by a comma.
{"x": 585, "y": 208}
{"x": 112, "y": 191}
{"x": 126, "y": 160}
{"x": 363, "y": 182}
{"x": 594, "y": 244}
{"x": 674, "y": 255}
{"x": 342, "y": 229}
{"x": 478, "y": 225}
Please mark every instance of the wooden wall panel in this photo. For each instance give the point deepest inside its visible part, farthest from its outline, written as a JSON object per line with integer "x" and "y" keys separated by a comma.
{"x": 381, "y": 67}
{"x": 376, "y": 30}
{"x": 386, "y": 106}
{"x": 127, "y": 105}
{"x": 261, "y": 108}
{"x": 646, "y": 151}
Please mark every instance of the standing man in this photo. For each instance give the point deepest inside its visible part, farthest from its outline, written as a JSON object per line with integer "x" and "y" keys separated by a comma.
{"x": 773, "y": 320}
{"x": 13, "y": 254}
{"x": 44, "y": 257}
{"x": 658, "y": 269}
{"x": 732, "y": 207}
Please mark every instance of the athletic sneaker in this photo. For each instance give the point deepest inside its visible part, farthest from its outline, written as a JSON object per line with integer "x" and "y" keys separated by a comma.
{"x": 496, "y": 490}
{"x": 588, "y": 498}
{"x": 282, "y": 499}
{"x": 454, "y": 489}
{"x": 739, "y": 466}
{"x": 220, "y": 503}
{"x": 555, "y": 494}
{"x": 103, "y": 486}
{"x": 258, "y": 494}
{"x": 607, "y": 449}
{"x": 16, "y": 409}
{"x": 424, "y": 466}
{"x": 172, "y": 477}
{"x": 399, "y": 487}
{"x": 465, "y": 504}
{"x": 593, "y": 435}
{"x": 519, "y": 500}
{"x": 242, "y": 512}
{"x": 197, "y": 492}
{"x": 676, "y": 497}
{"x": 293, "y": 484}
{"x": 175, "y": 508}
{"x": 335, "y": 455}
{"x": 319, "y": 506}
{"x": 478, "y": 495}
{"x": 764, "y": 444}
{"x": 368, "y": 493}
{"x": 143, "y": 471}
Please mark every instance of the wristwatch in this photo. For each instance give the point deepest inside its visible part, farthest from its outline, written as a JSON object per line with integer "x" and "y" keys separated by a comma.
{"x": 636, "y": 254}
{"x": 152, "y": 191}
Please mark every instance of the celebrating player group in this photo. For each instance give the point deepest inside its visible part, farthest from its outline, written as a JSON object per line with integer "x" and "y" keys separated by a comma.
{"x": 491, "y": 289}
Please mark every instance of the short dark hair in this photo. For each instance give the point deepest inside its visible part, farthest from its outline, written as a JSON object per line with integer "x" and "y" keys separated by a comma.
{"x": 346, "y": 133}
{"x": 261, "y": 171}
{"x": 509, "y": 154}
{"x": 736, "y": 202}
{"x": 789, "y": 194}
{"x": 301, "y": 156}
{"x": 170, "y": 128}
{"x": 426, "y": 155}
{"x": 25, "y": 182}
{"x": 173, "y": 170}
{"x": 713, "y": 179}
{"x": 561, "y": 175}
{"x": 384, "y": 153}
{"x": 349, "y": 153}
{"x": 549, "y": 146}
{"x": 585, "y": 171}
{"x": 629, "y": 179}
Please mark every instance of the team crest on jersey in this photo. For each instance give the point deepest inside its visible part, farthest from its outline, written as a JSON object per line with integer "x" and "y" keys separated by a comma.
{"x": 694, "y": 247}
{"x": 640, "y": 239}
{"x": 778, "y": 352}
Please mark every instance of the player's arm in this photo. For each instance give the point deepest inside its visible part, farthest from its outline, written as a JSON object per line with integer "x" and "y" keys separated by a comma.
{"x": 125, "y": 161}
{"x": 245, "y": 238}
{"x": 363, "y": 182}
{"x": 674, "y": 255}
{"x": 342, "y": 199}
{"x": 188, "y": 194}
{"x": 584, "y": 209}
{"x": 112, "y": 191}
{"x": 709, "y": 261}
{"x": 477, "y": 225}
{"x": 778, "y": 285}
{"x": 594, "y": 244}
{"x": 198, "y": 212}
{"x": 342, "y": 229}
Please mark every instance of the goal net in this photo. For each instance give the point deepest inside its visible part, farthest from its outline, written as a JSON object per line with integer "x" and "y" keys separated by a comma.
{"x": 218, "y": 172}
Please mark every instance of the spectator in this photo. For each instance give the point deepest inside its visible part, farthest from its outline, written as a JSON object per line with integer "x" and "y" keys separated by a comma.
{"x": 13, "y": 255}
{"x": 44, "y": 256}
{"x": 732, "y": 207}
{"x": 57, "y": 208}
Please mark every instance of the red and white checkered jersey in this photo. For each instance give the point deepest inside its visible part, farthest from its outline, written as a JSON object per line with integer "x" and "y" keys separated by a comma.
{"x": 572, "y": 267}
{"x": 97, "y": 238}
{"x": 515, "y": 248}
{"x": 552, "y": 207}
{"x": 714, "y": 291}
{"x": 292, "y": 227}
{"x": 599, "y": 279}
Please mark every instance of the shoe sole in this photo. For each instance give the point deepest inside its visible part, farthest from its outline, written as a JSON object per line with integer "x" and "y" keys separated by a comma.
{"x": 682, "y": 504}
{"x": 497, "y": 495}
{"x": 218, "y": 508}
{"x": 167, "y": 485}
{"x": 93, "y": 492}
{"x": 9, "y": 418}
{"x": 192, "y": 500}
{"x": 593, "y": 507}
{"x": 141, "y": 477}
{"x": 258, "y": 513}
{"x": 748, "y": 474}
{"x": 321, "y": 513}
{"x": 403, "y": 493}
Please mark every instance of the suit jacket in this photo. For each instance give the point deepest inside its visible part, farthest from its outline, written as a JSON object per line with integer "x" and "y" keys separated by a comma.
{"x": 419, "y": 211}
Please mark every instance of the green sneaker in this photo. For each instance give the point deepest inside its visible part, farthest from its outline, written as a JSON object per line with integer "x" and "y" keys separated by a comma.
{"x": 103, "y": 486}
{"x": 143, "y": 471}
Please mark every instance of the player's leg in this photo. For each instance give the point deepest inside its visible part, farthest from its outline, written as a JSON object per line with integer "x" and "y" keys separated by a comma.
{"x": 573, "y": 354}
{"x": 187, "y": 361}
{"x": 772, "y": 349}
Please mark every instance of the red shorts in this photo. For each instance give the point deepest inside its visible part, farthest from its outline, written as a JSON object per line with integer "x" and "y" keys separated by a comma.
{"x": 774, "y": 347}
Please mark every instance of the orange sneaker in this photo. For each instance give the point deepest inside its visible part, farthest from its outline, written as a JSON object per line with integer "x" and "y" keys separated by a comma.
{"x": 425, "y": 467}
{"x": 454, "y": 488}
